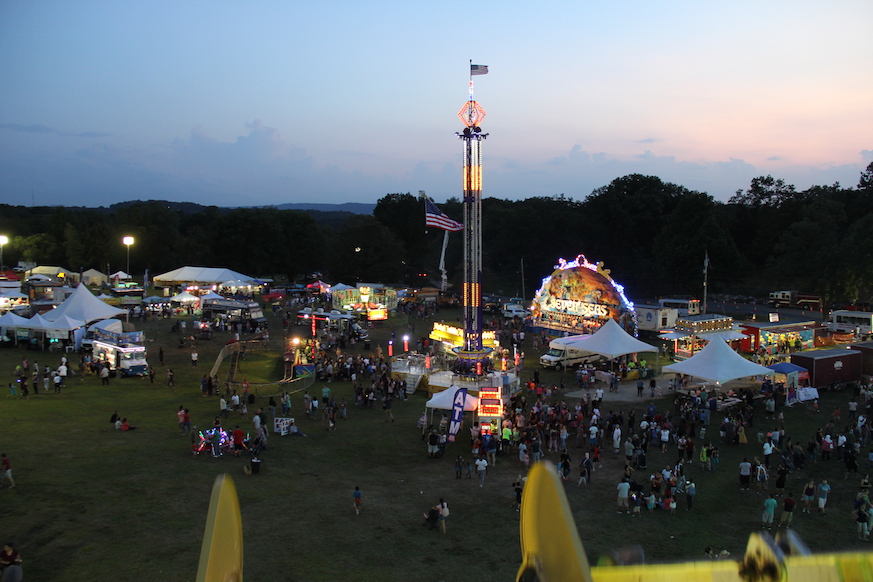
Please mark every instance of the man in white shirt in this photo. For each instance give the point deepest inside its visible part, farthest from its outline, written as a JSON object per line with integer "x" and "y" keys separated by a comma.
{"x": 481, "y": 466}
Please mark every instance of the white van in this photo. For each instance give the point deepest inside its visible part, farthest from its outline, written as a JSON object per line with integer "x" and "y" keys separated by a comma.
{"x": 562, "y": 354}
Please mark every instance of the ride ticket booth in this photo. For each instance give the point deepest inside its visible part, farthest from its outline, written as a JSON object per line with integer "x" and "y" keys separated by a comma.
{"x": 490, "y": 410}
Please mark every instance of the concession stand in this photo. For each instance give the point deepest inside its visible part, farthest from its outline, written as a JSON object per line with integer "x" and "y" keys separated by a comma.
{"x": 777, "y": 337}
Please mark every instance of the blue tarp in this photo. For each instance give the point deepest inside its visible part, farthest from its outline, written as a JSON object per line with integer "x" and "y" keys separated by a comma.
{"x": 786, "y": 368}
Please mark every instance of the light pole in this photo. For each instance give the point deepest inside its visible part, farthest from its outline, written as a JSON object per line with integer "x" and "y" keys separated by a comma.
{"x": 3, "y": 240}
{"x": 128, "y": 240}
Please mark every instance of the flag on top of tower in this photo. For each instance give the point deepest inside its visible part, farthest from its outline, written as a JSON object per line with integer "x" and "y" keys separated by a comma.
{"x": 433, "y": 216}
{"x": 478, "y": 69}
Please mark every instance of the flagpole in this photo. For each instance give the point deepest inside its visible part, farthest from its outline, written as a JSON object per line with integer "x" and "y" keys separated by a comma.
{"x": 705, "y": 277}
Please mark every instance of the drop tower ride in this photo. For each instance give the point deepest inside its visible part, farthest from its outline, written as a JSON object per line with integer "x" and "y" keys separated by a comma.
{"x": 474, "y": 357}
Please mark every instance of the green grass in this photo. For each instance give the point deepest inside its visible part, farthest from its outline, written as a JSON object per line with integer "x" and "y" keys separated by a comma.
{"x": 94, "y": 503}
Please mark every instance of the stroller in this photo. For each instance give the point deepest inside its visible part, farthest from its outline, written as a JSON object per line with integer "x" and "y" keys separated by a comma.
{"x": 256, "y": 447}
{"x": 640, "y": 459}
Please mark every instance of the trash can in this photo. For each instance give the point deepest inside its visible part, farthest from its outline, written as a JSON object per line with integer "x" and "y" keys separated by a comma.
{"x": 256, "y": 466}
{"x": 251, "y": 398}
{"x": 367, "y": 346}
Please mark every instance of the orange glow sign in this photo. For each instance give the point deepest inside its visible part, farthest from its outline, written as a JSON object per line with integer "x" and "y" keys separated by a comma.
{"x": 490, "y": 402}
{"x": 377, "y": 314}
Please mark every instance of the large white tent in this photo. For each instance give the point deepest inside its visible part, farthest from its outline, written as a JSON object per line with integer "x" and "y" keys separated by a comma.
{"x": 202, "y": 276}
{"x": 94, "y": 277}
{"x": 611, "y": 341}
{"x": 718, "y": 363}
{"x": 83, "y": 306}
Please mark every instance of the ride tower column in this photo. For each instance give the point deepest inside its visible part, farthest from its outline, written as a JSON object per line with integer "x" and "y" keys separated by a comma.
{"x": 473, "y": 351}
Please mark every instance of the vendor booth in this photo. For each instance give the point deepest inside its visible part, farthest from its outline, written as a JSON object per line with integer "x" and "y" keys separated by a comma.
{"x": 792, "y": 377}
{"x": 778, "y": 337}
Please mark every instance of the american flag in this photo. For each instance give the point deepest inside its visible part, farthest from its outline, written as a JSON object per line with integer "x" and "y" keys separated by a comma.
{"x": 478, "y": 69}
{"x": 433, "y": 216}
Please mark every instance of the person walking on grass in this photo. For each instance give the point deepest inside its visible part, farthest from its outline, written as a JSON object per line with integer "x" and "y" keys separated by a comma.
{"x": 769, "y": 512}
{"x": 358, "y": 499}
{"x": 862, "y": 517}
{"x": 6, "y": 470}
{"x": 481, "y": 468}
{"x": 822, "y": 493}
{"x": 787, "y": 511}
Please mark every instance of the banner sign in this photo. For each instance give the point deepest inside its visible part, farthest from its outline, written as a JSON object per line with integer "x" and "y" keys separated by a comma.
{"x": 281, "y": 425}
{"x": 457, "y": 413}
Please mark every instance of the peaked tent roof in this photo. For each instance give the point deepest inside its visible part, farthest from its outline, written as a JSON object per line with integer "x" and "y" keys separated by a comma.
{"x": 119, "y": 275}
{"x": 718, "y": 363}
{"x": 445, "y": 400}
{"x": 65, "y": 322}
{"x": 10, "y": 319}
{"x": 36, "y": 322}
{"x": 211, "y": 295}
{"x": 200, "y": 275}
{"x": 612, "y": 341}
{"x": 82, "y": 305}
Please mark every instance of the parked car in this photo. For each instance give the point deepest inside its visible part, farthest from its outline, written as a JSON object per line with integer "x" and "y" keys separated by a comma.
{"x": 515, "y": 311}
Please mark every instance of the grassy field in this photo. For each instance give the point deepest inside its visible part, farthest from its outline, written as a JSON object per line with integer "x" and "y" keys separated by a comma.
{"x": 94, "y": 503}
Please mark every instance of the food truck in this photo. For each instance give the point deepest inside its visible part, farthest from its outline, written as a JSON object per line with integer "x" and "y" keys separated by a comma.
{"x": 123, "y": 359}
{"x": 232, "y": 311}
{"x": 563, "y": 354}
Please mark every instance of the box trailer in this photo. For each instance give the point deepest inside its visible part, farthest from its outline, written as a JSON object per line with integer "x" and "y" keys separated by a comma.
{"x": 828, "y": 367}
{"x": 656, "y": 317}
{"x": 563, "y": 353}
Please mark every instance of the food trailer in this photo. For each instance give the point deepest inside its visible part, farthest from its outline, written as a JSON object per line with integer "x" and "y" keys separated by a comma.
{"x": 123, "y": 359}
{"x": 830, "y": 367}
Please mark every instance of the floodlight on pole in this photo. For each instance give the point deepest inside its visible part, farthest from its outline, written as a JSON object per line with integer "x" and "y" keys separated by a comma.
{"x": 3, "y": 240}
{"x": 128, "y": 240}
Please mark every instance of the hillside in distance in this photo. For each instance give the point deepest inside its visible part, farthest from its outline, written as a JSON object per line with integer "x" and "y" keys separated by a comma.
{"x": 352, "y": 207}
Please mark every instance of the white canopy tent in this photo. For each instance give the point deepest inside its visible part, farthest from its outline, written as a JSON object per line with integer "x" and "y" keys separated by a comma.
{"x": 184, "y": 297}
{"x": 121, "y": 275}
{"x": 611, "y": 341}
{"x": 83, "y": 306}
{"x": 64, "y": 323}
{"x": 211, "y": 295}
{"x": 718, "y": 363}
{"x": 94, "y": 277}
{"x": 445, "y": 400}
{"x": 201, "y": 276}
{"x": 11, "y": 321}
{"x": 37, "y": 322}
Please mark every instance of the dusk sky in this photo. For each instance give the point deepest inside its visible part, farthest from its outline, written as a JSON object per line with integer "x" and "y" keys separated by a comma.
{"x": 238, "y": 103}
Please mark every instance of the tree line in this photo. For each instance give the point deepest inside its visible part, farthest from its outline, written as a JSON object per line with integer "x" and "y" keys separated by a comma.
{"x": 652, "y": 235}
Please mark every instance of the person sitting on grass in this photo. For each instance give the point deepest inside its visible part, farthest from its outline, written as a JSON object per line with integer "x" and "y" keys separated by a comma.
{"x": 293, "y": 430}
{"x": 126, "y": 425}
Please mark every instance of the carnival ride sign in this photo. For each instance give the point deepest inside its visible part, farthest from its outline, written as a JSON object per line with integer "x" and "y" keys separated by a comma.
{"x": 579, "y": 297}
{"x": 454, "y": 335}
{"x": 490, "y": 402}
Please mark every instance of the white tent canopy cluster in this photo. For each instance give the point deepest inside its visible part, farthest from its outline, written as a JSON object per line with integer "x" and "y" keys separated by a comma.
{"x": 718, "y": 363}
{"x": 611, "y": 341}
